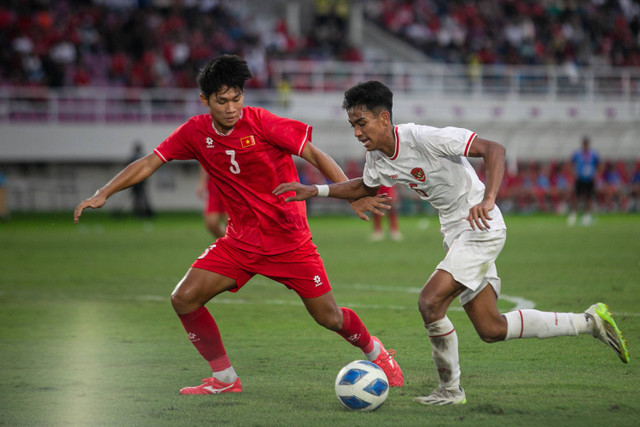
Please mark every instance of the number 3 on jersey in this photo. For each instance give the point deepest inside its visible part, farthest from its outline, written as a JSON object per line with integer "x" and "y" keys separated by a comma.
{"x": 235, "y": 167}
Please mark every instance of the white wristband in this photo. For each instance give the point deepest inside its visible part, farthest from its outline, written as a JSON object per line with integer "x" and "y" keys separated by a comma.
{"x": 323, "y": 190}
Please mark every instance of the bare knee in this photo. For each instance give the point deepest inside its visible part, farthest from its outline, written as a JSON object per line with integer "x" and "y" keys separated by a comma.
{"x": 329, "y": 319}
{"x": 431, "y": 308}
{"x": 184, "y": 301}
{"x": 493, "y": 331}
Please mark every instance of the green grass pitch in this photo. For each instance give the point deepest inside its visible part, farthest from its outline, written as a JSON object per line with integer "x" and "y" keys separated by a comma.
{"x": 88, "y": 335}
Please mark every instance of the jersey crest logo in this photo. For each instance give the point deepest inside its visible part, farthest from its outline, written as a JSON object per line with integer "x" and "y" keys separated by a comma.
{"x": 418, "y": 174}
{"x": 247, "y": 141}
{"x": 209, "y": 142}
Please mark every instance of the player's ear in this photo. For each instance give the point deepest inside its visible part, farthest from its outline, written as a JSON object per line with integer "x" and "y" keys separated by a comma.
{"x": 385, "y": 117}
{"x": 204, "y": 100}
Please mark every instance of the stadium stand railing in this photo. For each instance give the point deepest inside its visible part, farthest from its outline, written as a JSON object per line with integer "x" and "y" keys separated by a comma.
{"x": 121, "y": 104}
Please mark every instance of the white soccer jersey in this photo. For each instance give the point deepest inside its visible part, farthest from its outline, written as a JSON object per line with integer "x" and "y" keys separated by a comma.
{"x": 432, "y": 161}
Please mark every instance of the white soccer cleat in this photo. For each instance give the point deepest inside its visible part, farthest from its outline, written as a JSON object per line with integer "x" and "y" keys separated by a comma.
{"x": 606, "y": 330}
{"x": 377, "y": 236}
{"x": 397, "y": 236}
{"x": 587, "y": 220}
{"x": 443, "y": 396}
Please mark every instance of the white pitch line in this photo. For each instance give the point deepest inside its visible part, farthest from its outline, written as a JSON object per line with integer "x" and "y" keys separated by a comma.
{"x": 520, "y": 303}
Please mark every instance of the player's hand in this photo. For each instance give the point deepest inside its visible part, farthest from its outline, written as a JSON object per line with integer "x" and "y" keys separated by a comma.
{"x": 303, "y": 192}
{"x": 479, "y": 215}
{"x": 94, "y": 202}
{"x": 374, "y": 204}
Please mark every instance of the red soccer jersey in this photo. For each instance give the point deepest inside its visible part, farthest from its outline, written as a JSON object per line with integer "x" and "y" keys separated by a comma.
{"x": 247, "y": 164}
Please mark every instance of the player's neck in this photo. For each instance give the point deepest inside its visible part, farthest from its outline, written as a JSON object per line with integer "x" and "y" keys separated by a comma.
{"x": 220, "y": 130}
{"x": 389, "y": 145}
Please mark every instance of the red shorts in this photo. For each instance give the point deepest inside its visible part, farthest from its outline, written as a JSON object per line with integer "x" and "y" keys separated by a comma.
{"x": 389, "y": 191}
{"x": 301, "y": 270}
{"x": 214, "y": 200}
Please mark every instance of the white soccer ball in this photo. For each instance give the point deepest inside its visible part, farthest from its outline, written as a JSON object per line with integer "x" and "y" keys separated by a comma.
{"x": 362, "y": 386}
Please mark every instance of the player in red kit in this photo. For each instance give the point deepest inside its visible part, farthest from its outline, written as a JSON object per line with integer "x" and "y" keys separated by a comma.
{"x": 248, "y": 152}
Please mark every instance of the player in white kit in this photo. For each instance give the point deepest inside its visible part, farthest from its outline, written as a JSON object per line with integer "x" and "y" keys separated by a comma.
{"x": 433, "y": 162}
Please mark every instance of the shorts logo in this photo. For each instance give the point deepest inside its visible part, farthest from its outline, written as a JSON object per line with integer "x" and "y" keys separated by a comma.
{"x": 318, "y": 281}
{"x": 418, "y": 174}
{"x": 206, "y": 251}
{"x": 247, "y": 141}
{"x": 209, "y": 142}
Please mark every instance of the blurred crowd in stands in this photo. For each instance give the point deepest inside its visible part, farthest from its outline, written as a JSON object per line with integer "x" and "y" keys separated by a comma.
{"x": 517, "y": 32}
{"x": 162, "y": 43}
{"x": 152, "y": 43}
{"x": 549, "y": 186}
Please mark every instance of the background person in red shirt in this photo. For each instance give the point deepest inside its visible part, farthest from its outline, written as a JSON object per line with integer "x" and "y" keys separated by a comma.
{"x": 248, "y": 152}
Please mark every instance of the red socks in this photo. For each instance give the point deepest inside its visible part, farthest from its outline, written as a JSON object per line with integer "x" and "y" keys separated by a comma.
{"x": 354, "y": 331}
{"x": 204, "y": 334}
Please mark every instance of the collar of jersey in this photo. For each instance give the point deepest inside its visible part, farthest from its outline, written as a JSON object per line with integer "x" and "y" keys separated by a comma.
{"x": 397, "y": 138}
{"x": 230, "y": 130}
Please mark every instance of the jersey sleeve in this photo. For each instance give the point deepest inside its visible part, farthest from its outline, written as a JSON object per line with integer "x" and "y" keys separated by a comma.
{"x": 288, "y": 134}
{"x": 176, "y": 146}
{"x": 448, "y": 141}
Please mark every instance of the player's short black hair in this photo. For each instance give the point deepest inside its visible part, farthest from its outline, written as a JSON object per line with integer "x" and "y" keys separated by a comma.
{"x": 226, "y": 70}
{"x": 372, "y": 94}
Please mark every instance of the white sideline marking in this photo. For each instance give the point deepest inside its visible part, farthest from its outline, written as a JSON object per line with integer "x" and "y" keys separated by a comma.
{"x": 520, "y": 303}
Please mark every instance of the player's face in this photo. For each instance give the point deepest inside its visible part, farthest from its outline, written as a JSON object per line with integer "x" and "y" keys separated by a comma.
{"x": 372, "y": 130}
{"x": 225, "y": 107}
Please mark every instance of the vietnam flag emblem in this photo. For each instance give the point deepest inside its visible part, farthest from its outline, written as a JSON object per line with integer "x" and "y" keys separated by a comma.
{"x": 418, "y": 174}
{"x": 247, "y": 141}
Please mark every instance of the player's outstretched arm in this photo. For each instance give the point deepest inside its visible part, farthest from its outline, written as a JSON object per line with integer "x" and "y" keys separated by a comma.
{"x": 134, "y": 173}
{"x": 349, "y": 190}
{"x": 362, "y": 198}
{"x": 303, "y": 192}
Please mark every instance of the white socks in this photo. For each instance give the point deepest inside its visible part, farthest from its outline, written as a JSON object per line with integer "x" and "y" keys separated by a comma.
{"x": 530, "y": 323}
{"x": 526, "y": 323}
{"x": 373, "y": 354}
{"x": 227, "y": 376}
{"x": 444, "y": 349}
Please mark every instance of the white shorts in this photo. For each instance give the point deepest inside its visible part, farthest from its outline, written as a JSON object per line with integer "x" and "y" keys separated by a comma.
{"x": 471, "y": 259}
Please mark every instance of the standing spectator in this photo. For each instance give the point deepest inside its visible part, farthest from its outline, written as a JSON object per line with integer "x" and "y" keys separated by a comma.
{"x": 614, "y": 181}
{"x": 4, "y": 210}
{"x": 392, "y": 214}
{"x": 634, "y": 188}
{"x": 585, "y": 166}
{"x": 141, "y": 205}
{"x": 561, "y": 186}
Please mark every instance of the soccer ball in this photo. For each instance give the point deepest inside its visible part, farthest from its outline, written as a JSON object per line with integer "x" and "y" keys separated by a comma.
{"x": 362, "y": 386}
